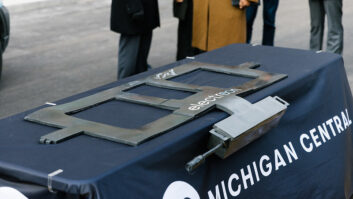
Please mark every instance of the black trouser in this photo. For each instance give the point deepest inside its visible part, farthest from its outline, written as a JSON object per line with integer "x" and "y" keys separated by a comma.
{"x": 269, "y": 16}
{"x": 184, "y": 48}
{"x": 333, "y": 10}
{"x": 133, "y": 54}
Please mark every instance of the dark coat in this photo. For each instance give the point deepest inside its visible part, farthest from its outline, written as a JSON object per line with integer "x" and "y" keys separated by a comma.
{"x": 134, "y": 16}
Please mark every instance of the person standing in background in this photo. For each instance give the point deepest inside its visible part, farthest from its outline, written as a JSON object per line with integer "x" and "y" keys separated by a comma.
{"x": 183, "y": 10}
{"x": 135, "y": 21}
{"x": 217, "y": 23}
{"x": 269, "y": 18}
{"x": 333, "y": 10}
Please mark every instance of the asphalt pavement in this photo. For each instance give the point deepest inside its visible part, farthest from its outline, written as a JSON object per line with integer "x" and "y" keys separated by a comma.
{"x": 59, "y": 48}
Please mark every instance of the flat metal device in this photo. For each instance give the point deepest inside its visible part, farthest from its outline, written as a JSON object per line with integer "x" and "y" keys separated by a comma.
{"x": 246, "y": 123}
{"x": 204, "y": 99}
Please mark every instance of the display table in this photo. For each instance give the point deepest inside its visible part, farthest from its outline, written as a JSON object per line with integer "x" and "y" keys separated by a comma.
{"x": 308, "y": 155}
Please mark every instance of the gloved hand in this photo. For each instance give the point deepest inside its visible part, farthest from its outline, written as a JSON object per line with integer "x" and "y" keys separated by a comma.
{"x": 135, "y": 9}
{"x": 241, "y": 3}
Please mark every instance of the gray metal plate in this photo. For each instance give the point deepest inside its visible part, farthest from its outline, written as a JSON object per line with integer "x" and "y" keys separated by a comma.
{"x": 203, "y": 100}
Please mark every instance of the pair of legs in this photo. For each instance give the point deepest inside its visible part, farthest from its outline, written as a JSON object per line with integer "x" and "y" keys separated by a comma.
{"x": 333, "y": 10}
{"x": 133, "y": 54}
{"x": 184, "y": 40}
{"x": 269, "y": 16}
{"x": 184, "y": 47}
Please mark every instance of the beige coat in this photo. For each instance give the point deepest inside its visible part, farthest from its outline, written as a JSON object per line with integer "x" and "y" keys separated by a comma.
{"x": 217, "y": 23}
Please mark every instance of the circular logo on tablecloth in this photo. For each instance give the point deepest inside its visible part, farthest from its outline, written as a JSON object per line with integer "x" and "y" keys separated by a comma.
{"x": 180, "y": 190}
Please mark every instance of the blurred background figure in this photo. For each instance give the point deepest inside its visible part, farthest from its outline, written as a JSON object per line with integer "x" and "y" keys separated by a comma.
{"x": 217, "y": 23}
{"x": 135, "y": 20}
{"x": 333, "y": 11}
{"x": 269, "y": 18}
{"x": 4, "y": 31}
{"x": 183, "y": 10}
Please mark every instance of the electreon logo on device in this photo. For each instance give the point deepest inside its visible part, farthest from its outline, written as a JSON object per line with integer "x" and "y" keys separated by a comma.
{"x": 209, "y": 99}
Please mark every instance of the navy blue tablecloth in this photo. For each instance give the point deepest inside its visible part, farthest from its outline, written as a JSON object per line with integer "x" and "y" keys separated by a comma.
{"x": 308, "y": 155}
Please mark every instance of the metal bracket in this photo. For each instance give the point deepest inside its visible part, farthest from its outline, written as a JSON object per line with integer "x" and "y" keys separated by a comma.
{"x": 246, "y": 123}
{"x": 204, "y": 99}
{"x": 50, "y": 179}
